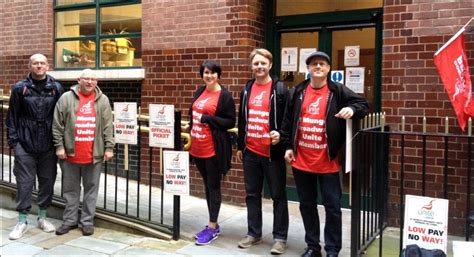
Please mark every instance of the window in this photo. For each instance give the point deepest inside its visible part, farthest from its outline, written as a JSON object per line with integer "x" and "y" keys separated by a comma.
{"x": 98, "y": 34}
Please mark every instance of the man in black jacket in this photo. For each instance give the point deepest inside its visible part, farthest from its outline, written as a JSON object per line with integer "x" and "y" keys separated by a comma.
{"x": 29, "y": 122}
{"x": 313, "y": 133}
{"x": 262, "y": 104}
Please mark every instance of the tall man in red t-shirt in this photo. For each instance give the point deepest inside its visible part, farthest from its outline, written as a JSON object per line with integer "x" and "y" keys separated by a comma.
{"x": 83, "y": 136}
{"x": 313, "y": 133}
{"x": 262, "y": 104}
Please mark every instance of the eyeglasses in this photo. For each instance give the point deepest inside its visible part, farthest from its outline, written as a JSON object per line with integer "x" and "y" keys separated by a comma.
{"x": 89, "y": 79}
{"x": 316, "y": 63}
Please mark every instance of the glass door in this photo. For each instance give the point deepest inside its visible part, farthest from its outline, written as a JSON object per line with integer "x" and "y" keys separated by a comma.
{"x": 303, "y": 40}
{"x": 353, "y": 51}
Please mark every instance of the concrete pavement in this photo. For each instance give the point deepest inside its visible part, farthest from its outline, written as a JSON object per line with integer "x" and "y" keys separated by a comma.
{"x": 109, "y": 242}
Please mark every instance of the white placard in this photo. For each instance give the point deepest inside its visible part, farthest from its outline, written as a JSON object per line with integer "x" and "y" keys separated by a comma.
{"x": 352, "y": 56}
{"x": 125, "y": 123}
{"x": 304, "y": 53}
{"x": 355, "y": 77}
{"x": 161, "y": 126}
{"x": 337, "y": 76}
{"x": 289, "y": 61}
{"x": 176, "y": 172}
{"x": 348, "y": 145}
{"x": 426, "y": 222}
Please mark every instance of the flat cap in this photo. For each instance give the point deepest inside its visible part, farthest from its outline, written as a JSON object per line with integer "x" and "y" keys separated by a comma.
{"x": 318, "y": 54}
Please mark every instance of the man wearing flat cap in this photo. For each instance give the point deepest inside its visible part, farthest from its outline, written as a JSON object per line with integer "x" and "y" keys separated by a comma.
{"x": 313, "y": 133}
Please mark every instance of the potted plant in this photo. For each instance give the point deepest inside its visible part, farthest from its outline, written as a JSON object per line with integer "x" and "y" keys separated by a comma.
{"x": 123, "y": 43}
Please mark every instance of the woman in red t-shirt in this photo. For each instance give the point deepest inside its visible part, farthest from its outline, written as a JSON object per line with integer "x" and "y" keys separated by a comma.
{"x": 211, "y": 114}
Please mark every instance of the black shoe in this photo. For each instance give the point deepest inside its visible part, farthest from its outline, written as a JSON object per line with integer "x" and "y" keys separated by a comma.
{"x": 64, "y": 229}
{"x": 87, "y": 230}
{"x": 310, "y": 252}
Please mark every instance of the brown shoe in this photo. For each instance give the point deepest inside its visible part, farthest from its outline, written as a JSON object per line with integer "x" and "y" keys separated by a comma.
{"x": 64, "y": 229}
{"x": 279, "y": 247}
{"x": 249, "y": 241}
{"x": 87, "y": 230}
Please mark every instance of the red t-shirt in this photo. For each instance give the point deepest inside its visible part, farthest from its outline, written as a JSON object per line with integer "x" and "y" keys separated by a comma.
{"x": 201, "y": 135}
{"x": 311, "y": 150}
{"x": 258, "y": 126}
{"x": 84, "y": 130}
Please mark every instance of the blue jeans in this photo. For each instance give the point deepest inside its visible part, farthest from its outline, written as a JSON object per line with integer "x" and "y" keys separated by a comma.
{"x": 330, "y": 187}
{"x": 256, "y": 168}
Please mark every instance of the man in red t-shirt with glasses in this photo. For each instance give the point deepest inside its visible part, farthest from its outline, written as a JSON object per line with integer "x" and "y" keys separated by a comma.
{"x": 83, "y": 136}
{"x": 313, "y": 133}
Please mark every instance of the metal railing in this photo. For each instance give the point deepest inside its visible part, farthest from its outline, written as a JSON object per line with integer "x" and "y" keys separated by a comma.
{"x": 131, "y": 194}
{"x": 372, "y": 207}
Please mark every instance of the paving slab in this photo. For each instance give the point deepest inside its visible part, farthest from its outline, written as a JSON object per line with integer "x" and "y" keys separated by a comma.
{"x": 209, "y": 250}
{"x": 70, "y": 251}
{"x": 39, "y": 237}
{"x": 8, "y": 224}
{"x": 19, "y": 249}
{"x": 117, "y": 236}
{"x": 143, "y": 252}
{"x": 59, "y": 240}
{"x": 8, "y": 214}
{"x": 4, "y": 237}
{"x": 161, "y": 245}
{"x": 97, "y": 245}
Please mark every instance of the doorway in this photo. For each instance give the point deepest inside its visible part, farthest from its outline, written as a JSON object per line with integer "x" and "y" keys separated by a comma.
{"x": 333, "y": 33}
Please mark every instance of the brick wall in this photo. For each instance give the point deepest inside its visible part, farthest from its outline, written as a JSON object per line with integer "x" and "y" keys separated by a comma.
{"x": 413, "y": 31}
{"x": 27, "y": 28}
{"x": 177, "y": 37}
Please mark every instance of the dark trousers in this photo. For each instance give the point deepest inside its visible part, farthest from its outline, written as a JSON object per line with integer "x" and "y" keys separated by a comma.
{"x": 256, "y": 168}
{"x": 29, "y": 166}
{"x": 212, "y": 183}
{"x": 330, "y": 187}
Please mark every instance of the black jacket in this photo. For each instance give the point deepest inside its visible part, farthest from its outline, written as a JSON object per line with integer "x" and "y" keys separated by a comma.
{"x": 278, "y": 98}
{"x": 30, "y": 114}
{"x": 340, "y": 96}
{"x": 223, "y": 120}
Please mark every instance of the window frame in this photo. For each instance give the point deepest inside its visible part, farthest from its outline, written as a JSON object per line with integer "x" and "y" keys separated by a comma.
{"x": 97, "y": 5}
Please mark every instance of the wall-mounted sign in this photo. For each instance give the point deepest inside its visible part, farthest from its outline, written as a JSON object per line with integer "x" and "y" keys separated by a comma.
{"x": 125, "y": 123}
{"x": 355, "y": 79}
{"x": 337, "y": 76}
{"x": 304, "y": 53}
{"x": 176, "y": 172}
{"x": 351, "y": 56}
{"x": 289, "y": 58}
{"x": 426, "y": 222}
{"x": 161, "y": 126}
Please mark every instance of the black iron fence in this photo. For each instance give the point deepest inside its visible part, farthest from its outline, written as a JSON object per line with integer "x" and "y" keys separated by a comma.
{"x": 387, "y": 165}
{"x": 135, "y": 194}
{"x": 369, "y": 188}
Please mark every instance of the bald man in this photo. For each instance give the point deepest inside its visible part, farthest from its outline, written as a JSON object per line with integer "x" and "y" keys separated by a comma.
{"x": 83, "y": 136}
{"x": 29, "y": 121}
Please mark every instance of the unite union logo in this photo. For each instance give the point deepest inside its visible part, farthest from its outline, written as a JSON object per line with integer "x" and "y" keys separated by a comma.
{"x": 160, "y": 115}
{"x": 427, "y": 210}
{"x": 87, "y": 108}
{"x": 313, "y": 108}
{"x": 258, "y": 100}
{"x": 175, "y": 161}
{"x": 200, "y": 104}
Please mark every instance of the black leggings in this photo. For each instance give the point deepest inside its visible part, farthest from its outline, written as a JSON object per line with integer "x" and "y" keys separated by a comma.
{"x": 212, "y": 182}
